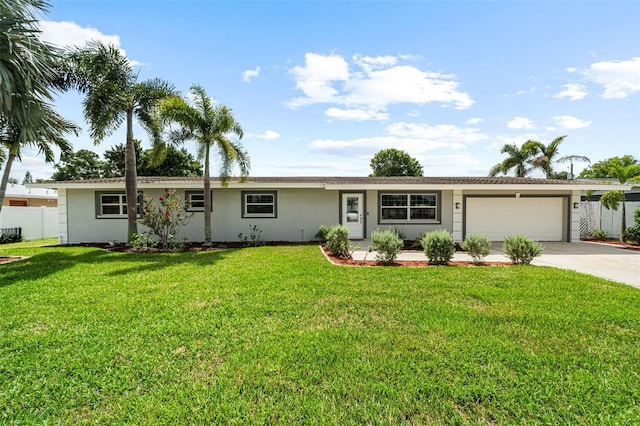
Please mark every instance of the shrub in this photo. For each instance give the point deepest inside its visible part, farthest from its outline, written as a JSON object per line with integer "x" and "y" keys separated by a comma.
{"x": 254, "y": 239}
{"x": 521, "y": 250}
{"x": 477, "y": 246}
{"x": 143, "y": 242}
{"x": 165, "y": 218}
{"x": 387, "y": 244}
{"x": 598, "y": 234}
{"x": 438, "y": 246}
{"x": 632, "y": 233}
{"x": 338, "y": 241}
{"x": 322, "y": 233}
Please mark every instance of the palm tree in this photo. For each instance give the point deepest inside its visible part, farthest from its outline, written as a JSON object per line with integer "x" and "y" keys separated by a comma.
{"x": 571, "y": 159}
{"x": 28, "y": 69}
{"x": 209, "y": 126}
{"x": 546, "y": 154}
{"x": 46, "y": 128}
{"x": 114, "y": 96}
{"x": 519, "y": 159}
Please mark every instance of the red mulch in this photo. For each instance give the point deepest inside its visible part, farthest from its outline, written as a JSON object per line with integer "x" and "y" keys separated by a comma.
{"x": 407, "y": 263}
{"x": 626, "y": 246}
{"x": 7, "y": 259}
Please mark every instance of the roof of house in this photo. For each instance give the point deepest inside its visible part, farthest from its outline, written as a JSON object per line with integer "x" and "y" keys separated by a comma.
{"x": 344, "y": 182}
{"x": 21, "y": 191}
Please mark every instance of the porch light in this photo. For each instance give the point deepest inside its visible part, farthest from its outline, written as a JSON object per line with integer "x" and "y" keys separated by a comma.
{"x": 576, "y": 205}
{"x": 457, "y": 206}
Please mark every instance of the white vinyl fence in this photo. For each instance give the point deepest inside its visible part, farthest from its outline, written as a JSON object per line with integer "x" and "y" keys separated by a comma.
{"x": 36, "y": 222}
{"x": 594, "y": 216}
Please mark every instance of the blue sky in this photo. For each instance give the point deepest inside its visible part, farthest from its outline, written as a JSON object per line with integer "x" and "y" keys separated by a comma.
{"x": 319, "y": 87}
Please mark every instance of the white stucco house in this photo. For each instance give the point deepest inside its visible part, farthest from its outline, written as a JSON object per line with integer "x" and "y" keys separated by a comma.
{"x": 293, "y": 208}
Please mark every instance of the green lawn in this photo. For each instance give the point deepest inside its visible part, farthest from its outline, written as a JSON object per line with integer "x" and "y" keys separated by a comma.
{"x": 278, "y": 335}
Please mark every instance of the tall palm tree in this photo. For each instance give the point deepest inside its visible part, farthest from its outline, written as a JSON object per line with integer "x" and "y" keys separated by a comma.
{"x": 519, "y": 159}
{"x": 209, "y": 126}
{"x": 28, "y": 70}
{"x": 46, "y": 129}
{"x": 572, "y": 159}
{"x": 114, "y": 96}
{"x": 545, "y": 154}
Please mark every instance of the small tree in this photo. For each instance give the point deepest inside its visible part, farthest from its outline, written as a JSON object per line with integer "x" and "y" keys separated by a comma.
{"x": 394, "y": 162}
{"x": 165, "y": 218}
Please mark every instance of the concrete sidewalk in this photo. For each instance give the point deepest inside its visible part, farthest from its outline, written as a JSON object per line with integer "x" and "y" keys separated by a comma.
{"x": 601, "y": 260}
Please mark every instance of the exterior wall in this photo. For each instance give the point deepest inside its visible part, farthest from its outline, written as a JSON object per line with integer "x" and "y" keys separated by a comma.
{"x": 410, "y": 230}
{"x": 300, "y": 212}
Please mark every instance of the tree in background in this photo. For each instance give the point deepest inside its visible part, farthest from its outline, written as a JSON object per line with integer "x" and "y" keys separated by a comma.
{"x": 209, "y": 126}
{"x": 394, "y": 162}
{"x": 115, "y": 96}
{"x": 81, "y": 165}
{"x": 544, "y": 156}
{"x": 612, "y": 199}
{"x": 572, "y": 159}
{"x": 606, "y": 169}
{"x": 174, "y": 162}
{"x": 518, "y": 159}
{"x": 27, "y": 178}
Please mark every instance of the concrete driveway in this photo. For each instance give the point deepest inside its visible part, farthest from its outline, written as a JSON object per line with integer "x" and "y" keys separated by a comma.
{"x": 601, "y": 260}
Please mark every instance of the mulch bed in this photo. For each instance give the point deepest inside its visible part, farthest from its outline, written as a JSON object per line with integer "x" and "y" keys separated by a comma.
{"x": 626, "y": 246}
{"x": 7, "y": 259}
{"x": 406, "y": 263}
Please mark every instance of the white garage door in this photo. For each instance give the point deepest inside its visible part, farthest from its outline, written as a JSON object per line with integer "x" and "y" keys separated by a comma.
{"x": 540, "y": 219}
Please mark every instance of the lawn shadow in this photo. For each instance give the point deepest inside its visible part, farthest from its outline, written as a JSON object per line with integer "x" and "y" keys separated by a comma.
{"x": 59, "y": 258}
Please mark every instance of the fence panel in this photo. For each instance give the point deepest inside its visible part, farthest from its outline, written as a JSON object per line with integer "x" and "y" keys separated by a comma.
{"x": 594, "y": 216}
{"x": 36, "y": 222}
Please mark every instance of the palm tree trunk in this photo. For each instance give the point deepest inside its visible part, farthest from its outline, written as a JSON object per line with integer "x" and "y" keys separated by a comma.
{"x": 131, "y": 180}
{"x": 207, "y": 198}
{"x": 5, "y": 178}
{"x": 623, "y": 226}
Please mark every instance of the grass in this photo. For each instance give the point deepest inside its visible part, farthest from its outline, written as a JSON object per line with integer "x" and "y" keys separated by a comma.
{"x": 278, "y": 335}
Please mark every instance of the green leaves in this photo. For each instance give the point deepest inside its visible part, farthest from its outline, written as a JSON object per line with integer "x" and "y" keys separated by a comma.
{"x": 394, "y": 162}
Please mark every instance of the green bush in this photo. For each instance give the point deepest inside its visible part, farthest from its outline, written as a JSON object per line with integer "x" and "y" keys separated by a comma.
{"x": 598, "y": 234}
{"x": 438, "y": 246}
{"x": 387, "y": 244}
{"x": 10, "y": 238}
{"x": 338, "y": 241}
{"x": 521, "y": 250}
{"x": 143, "y": 242}
{"x": 322, "y": 233}
{"x": 477, "y": 246}
{"x": 632, "y": 233}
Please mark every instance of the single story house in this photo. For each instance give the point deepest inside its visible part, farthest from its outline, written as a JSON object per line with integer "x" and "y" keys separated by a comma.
{"x": 293, "y": 208}
{"x": 23, "y": 196}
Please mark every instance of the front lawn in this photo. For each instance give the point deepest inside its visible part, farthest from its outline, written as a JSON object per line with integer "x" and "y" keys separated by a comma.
{"x": 278, "y": 335}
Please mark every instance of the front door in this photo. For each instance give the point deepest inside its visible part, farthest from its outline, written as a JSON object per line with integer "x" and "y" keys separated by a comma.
{"x": 352, "y": 214}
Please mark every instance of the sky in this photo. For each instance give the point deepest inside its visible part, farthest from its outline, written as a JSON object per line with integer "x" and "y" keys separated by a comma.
{"x": 319, "y": 87}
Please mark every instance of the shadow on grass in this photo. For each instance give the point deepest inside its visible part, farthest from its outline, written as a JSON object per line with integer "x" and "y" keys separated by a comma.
{"x": 57, "y": 259}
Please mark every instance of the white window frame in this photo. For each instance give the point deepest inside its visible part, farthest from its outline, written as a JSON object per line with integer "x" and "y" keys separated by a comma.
{"x": 274, "y": 203}
{"x": 188, "y": 195}
{"x": 122, "y": 204}
{"x": 409, "y": 207}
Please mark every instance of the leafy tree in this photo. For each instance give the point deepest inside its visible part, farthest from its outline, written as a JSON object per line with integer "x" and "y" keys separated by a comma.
{"x": 176, "y": 162}
{"x": 606, "y": 169}
{"x": 115, "y": 96}
{"x": 80, "y": 165}
{"x": 13, "y": 180}
{"x": 27, "y": 178}
{"x": 394, "y": 162}
{"x": 572, "y": 159}
{"x": 28, "y": 72}
{"x": 209, "y": 126}
{"x": 518, "y": 159}
{"x": 611, "y": 199}
{"x": 545, "y": 154}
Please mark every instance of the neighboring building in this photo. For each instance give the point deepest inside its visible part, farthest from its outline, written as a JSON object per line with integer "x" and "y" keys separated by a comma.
{"x": 22, "y": 196}
{"x": 293, "y": 208}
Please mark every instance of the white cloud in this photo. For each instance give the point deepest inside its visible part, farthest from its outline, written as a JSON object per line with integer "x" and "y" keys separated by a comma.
{"x": 572, "y": 91}
{"x": 376, "y": 83}
{"x": 475, "y": 120}
{"x": 356, "y": 114}
{"x": 619, "y": 78}
{"x": 569, "y": 122}
{"x": 571, "y": 70}
{"x": 66, "y": 33}
{"x": 268, "y": 135}
{"x": 439, "y": 133}
{"x": 520, "y": 123}
{"x": 249, "y": 75}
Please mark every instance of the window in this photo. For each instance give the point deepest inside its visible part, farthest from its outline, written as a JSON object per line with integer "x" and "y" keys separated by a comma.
{"x": 114, "y": 204}
{"x": 259, "y": 204}
{"x": 196, "y": 200}
{"x": 408, "y": 207}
